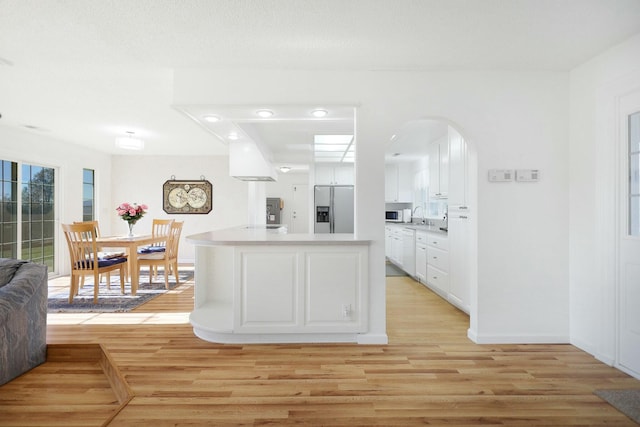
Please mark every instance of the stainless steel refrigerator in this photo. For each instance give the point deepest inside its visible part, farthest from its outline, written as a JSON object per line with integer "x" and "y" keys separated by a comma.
{"x": 333, "y": 208}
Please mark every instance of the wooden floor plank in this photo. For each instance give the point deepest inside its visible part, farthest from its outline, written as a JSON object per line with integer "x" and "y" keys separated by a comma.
{"x": 429, "y": 374}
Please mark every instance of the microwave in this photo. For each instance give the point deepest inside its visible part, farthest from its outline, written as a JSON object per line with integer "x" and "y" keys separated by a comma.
{"x": 393, "y": 216}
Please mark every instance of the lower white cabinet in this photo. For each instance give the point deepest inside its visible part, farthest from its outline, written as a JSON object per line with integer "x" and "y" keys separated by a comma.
{"x": 278, "y": 293}
{"x": 388, "y": 236}
{"x": 315, "y": 289}
{"x": 397, "y": 246}
{"x": 409, "y": 251}
{"x": 438, "y": 263}
{"x": 421, "y": 257}
{"x": 460, "y": 286}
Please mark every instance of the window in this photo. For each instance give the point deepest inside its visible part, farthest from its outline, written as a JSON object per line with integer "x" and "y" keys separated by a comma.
{"x": 9, "y": 209}
{"x": 634, "y": 174}
{"x": 88, "y": 195}
{"x": 38, "y": 219}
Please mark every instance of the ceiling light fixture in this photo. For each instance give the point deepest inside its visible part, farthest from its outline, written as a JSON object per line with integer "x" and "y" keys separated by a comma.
{"x": 284, "y": 169}
{"x": 319, "y": 113}
{"x": 129, "y": 142}
{"x": 265, "y": 114}
{"x": 211, "y": 118}
{"x": 233, "y": 136}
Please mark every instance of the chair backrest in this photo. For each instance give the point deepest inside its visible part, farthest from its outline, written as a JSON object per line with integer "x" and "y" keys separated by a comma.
{"x": 174, "y": 239}
{"x": 160, "y": 227}
{"x": 94, "y": 223}
{"x": 81, "y": 240}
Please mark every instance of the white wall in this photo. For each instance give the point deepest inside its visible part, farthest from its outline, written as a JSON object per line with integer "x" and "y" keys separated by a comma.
{"x": 283, "y": 188}
{"x": 69, "y": 160}
{"x": 515, "y": 119}
{"x": 594, "y": 87}
{"x": 140, "y": 178}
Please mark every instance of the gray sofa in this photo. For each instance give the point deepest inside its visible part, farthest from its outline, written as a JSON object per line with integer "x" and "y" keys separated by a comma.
{"x": 23, "y": 317}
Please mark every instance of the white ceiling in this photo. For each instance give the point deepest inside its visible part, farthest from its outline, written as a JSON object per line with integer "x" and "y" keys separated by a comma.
{"x": 87, "y": 71}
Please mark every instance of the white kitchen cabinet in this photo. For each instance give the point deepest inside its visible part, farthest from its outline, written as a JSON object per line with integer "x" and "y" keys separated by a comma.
{"x": 388, "y": 237}
{"x": 409, "y": 251}
{"x": 329, "y": 174}
{"x": 397, "y": 246}
{"x": 458, "y": 172}
{"x": 297, "y": 288}
{"x": 439, "y": 168}
{"x": 398, "y": 184}
{"x": 421, "y": 256}
{"x": 459, "y": 277}
{"x": 438, "y": 263}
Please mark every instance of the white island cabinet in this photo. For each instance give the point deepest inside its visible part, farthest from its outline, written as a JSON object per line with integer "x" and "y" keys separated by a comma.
{"x": 255, "y": 285}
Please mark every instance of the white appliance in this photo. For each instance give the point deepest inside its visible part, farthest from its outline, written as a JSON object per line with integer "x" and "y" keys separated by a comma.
{"x": 333, "y": 208}
{"x": 394, "y": 215}
{"x": 406, "y": 215}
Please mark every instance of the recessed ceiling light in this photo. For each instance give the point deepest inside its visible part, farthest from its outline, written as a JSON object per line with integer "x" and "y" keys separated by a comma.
{"x": 265, "y": 114}
{"x": 284, "y": 169}
{"x": 319, "y": 113}
{"x": 211, "y": 118}
{"x": 233, "y": 136}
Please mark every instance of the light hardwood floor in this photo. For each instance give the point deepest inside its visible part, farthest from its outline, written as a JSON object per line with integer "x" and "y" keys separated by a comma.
{"x": 430, "y": 373}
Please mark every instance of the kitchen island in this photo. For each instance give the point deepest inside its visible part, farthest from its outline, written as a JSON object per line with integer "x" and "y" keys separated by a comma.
{"x": 263, "y": 285}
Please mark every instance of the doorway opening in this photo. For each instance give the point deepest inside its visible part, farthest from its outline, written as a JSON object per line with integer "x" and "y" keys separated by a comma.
{"x": 431, "y": 210}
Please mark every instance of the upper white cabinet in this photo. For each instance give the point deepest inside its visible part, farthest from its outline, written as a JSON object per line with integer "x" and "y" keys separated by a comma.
{"x": 398, "y": 183}
{"x": 439, "y": 168}
{"x": 458, "y": 175}
{"x": 329, "y": 174}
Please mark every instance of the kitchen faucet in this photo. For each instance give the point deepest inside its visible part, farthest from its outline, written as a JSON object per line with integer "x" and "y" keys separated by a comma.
{"x": 414, "y": 212}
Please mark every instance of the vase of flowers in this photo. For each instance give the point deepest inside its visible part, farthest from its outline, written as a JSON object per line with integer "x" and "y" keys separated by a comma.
{"x": 131, "y": 213}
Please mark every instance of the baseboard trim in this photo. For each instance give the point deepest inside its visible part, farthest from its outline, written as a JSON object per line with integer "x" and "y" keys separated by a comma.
{"x": 519, "y": 339}
{"x": 373, "y": 339}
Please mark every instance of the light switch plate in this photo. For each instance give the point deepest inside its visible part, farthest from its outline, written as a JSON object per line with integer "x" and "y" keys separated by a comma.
{"x": 500, "y": 175}
{"x": 527, "y": 175}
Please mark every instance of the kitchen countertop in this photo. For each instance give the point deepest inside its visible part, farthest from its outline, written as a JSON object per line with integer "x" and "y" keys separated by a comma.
{"x": 418, "y": 227}
{"x": 261, "y": 235}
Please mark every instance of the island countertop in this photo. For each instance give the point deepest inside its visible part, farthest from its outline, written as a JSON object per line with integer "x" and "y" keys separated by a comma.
{"x": 261, "y": 235}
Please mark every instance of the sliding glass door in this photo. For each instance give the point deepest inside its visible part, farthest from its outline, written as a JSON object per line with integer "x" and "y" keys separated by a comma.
{"x": 28, "y": 213}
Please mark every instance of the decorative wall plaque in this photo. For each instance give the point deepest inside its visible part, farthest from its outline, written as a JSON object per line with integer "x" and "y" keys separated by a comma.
{"x": 186, "y": 196}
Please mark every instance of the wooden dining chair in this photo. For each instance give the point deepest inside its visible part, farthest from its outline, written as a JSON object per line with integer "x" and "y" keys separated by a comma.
{"x": 83, "y": 253}
{"x": 111, "y": 254}
{"x": 159, "y": 227}
{"x": 167, "y": 259}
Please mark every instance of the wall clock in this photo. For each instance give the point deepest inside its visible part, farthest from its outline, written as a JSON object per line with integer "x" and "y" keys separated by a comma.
{"x": 186, "y": 197}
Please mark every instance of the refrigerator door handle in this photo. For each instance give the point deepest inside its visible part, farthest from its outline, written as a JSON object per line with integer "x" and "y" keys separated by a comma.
{"x": 331, "y": 212}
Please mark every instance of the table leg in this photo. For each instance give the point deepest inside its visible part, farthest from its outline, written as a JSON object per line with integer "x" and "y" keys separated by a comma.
{"x": 133, "y": 269}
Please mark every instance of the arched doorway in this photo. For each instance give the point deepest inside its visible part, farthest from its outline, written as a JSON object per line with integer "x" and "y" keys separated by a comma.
{"x": 431, "y": 177}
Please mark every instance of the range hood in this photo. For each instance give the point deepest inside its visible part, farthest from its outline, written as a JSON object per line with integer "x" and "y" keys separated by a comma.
{"x": 247, "y": 163}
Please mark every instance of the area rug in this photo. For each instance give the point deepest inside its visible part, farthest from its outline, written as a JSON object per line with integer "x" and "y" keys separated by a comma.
{"x": 625, "y": 401}
{"x": 112, "y": 300}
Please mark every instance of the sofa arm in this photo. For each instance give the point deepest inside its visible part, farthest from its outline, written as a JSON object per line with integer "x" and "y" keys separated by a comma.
{"x": 23, "y": 321}
{"x": 29, "y": 280}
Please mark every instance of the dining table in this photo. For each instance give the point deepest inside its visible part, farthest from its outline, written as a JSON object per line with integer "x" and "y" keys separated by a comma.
{"x": 131, "y": 245}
